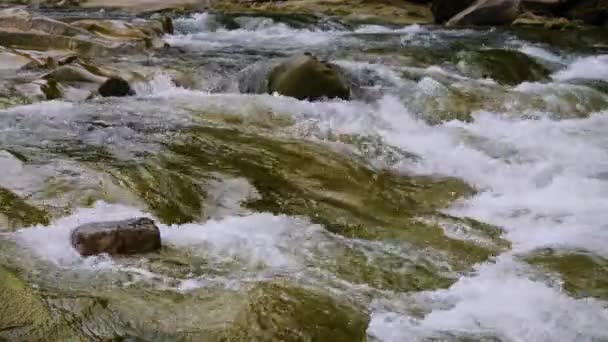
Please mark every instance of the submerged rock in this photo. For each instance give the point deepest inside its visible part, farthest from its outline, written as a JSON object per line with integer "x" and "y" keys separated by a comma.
{"x": 582, "y": 274}
{"x": 24, "y": 315}
{"x": 303, "y": 77}
{"x": 504, "y": 66}
{"x": 118, "y": 237}
{"x": 276, "y": 312}
{"x": 16, "y": 212}
{"x": 115, "y": 86}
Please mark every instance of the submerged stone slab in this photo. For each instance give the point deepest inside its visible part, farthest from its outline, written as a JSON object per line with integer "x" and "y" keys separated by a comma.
{"x": 132, "y": 236}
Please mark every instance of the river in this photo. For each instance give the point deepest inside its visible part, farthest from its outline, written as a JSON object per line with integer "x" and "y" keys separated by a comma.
{"x": 250, "y": 188}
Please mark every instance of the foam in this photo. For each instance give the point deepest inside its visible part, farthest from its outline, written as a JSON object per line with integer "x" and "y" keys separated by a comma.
{"x": 591, "y": 68}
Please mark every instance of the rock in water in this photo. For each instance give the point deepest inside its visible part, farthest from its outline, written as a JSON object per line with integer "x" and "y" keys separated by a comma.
{"x": 116, "y": 87}
{"x": 444, "y": 10}
{"x": 119, "y": 237}
{"x": 488, "y": 12}
{"x": 305, "y": 77}
{"x": 510, "y": 67}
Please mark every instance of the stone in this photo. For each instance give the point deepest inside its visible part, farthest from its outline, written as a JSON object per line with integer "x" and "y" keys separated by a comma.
{"x": 117, "y": 238}
{"x": 115, "y": 86}
{"x": 281, "y": 312}
{"x": 305, "y": 77}
{"x": 504, "y": 66}
{"x": 444, "y": 10}
{"x": 488, "y": 12}
{"x": 591, "y": 12}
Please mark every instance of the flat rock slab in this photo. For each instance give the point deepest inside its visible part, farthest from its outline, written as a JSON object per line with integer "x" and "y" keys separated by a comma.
{"x": 126, "y": 237}
{"x": 145, "y": 5}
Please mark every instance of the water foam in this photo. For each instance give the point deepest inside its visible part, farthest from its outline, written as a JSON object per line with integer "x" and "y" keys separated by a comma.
{"x": 497, "y": 302}
{"x": 591, "y": 68}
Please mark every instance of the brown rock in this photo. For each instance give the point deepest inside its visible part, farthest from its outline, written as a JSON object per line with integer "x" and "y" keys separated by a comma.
{"x": 119, "y": 237}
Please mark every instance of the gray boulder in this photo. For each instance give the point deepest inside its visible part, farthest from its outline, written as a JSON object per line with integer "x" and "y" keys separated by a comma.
{"x": 117, "y": 238}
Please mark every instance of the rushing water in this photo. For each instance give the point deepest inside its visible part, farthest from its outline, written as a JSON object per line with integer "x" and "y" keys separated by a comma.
{"x": 536, "y": 152}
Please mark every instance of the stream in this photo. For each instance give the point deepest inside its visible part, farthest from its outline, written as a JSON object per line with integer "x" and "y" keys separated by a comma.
{"x": 460, "y": 195}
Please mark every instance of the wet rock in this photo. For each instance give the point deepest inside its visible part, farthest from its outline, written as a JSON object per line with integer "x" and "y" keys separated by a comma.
{"x": 488, "y": 12}
{"x": 166, "y": 22}
{"x": 16, "y": 212}
{"x": 51, "y": 89}
{"x": 302, "y": 77}
{"x": 145, "y": 33}
{"x": 24, "y": 315}
{"x": 550, "y": 23}
{"x": 75, "y": 73}
{"x": 20, "y": 29}
{"x": 146, "y": 5}
{"x": 305, "y": 77}
{"x": 120, "y": 237}
{"x": 444, "y": 10}
{"x": 361, "y": 11}
{"x": 504, "y": 66}
{"x": 583, "y": 274}
{"x": 116, "y": 87}
{"x": 11, "y": 60}
{"x": 276, "y": 312}
{"x": 592, "y": 12}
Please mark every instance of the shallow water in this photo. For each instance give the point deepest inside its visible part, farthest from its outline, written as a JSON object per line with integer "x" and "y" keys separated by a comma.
{"x": 536, "y": 154}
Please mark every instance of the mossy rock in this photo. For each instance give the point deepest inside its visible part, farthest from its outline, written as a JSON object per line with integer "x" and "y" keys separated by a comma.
{"x": 343, "y": 193}
{"x": 51, "y": 89}
{"x": 173, "y": 196}
{"x": 279, "y": 312}
{"x": 17, "y": 213}
{"x": 577, "y": 41}
{"x": 24, "y": 315}
{"x": 583, "y": 274}
{"x": 396, "y": 12}
{"x": 268, "y": 311}
{"x": 306, "y": 78}
{"x": 504, "y": 66}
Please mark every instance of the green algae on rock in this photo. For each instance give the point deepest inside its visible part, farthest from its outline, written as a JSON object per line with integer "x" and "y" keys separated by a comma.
{"x": 24, "y": 315}
{"x": 280, "y": 312}
{"x": 340, "y": 192}
{"x": 504, "y": 66}
{"x": 396, "y": 12}
{"x": 583, "y": 274}
{"x": 16, "y": 213}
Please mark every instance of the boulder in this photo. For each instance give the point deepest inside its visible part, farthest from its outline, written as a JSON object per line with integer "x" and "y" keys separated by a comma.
{"x": 591, "y": 12}
{"x": 74, "y": 73}
{"x": 504, "y": 66}
{"x": 444, "y": 10}
{"x": 20, "y": 29}
{"x": 488, "y": 12}
{"x": 305, "y": 77}
{"x": 115, "y": 86}
{"x": 119, "y": 237}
